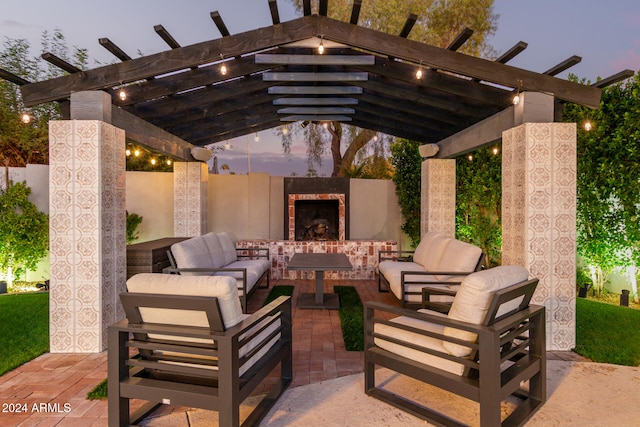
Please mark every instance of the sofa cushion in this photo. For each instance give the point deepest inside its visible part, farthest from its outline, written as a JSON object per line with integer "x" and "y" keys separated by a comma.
{"x": 471, "y": 303}
{"x": 228, "y": 247}
{"x": 255, "y": 269}
{"x": 430, "y": 250}
{"x": 192, "y": 253}
{"x": 459, "y": 256}
{"x": 216, "y": 254}
{"x": 221, "y": 287}
{"x": 392, "y": 271}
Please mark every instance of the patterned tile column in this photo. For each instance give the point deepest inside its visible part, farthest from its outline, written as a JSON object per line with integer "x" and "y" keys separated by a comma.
{"x": 190, "y": 190}
{"x": 87, "y": 233}
{"x": 438, "y": 196}
{"x": 539, "y": 218}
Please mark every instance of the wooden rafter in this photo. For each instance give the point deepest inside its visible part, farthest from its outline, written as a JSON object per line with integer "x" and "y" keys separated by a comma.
{"x": 616, "y": 78}
{"x": 273, "y": 9}
{"x": 217, "y": 19}
{"x": 166, "y": 36}
{"x": 460, "y": 39}
{"x": 60, "y": 63}
{"x": 114, "y": 49}
{"x": 408, "y": 25}
{"x": 355, "y": 12}
{"x": 564, "y": 65}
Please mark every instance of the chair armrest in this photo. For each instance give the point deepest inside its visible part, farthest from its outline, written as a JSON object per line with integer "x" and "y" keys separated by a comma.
{"x": 442, "y": 307}
{"x": 396, "y": 255}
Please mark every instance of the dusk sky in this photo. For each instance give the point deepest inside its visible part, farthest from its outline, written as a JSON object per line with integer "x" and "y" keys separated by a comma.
{"x": 605, "y": 34}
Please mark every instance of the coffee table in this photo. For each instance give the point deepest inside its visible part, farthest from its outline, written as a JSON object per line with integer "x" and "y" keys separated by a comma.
{"x": 319, "y": 262}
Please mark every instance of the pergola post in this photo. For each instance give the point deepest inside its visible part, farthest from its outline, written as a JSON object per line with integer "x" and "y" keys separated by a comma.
{"x": 438, "y": 196}
{"x": 87, "y": 226}
{"x": 190, "y": 190}
{"x": 539, "y": 218}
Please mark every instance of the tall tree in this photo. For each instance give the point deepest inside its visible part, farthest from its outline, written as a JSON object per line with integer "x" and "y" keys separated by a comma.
{"x": 27, "y": 142}
{"x": 439, "y": 23}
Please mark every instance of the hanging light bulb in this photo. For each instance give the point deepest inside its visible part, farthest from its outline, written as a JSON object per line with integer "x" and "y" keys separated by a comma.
{"x": 321, "y": 46}
{"x": 470, "y": 157}
{"x": 153, "y": 162}
{"x": 419, "y": 73}
{"x": 227, "y": 145}
{"x": 588, "y": 125}
{"x": 127, "y": 152}
{"x": 25, "y": 117}
{"x": 285, "y": 130}
{"x": 375, "y": 138}
{"x": 136, "y": 153}
{"x": 122, "y": 95}
{"x": 256, "y": 138}
{"x": 169, "y": 162}
{"x": 223, "y": 67}
{"x": 325, "y": 125}
{"x": 495, "y": 150}
{"x": 516, "y": 98}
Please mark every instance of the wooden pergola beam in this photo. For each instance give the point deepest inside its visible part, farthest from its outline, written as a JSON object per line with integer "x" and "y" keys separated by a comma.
{"x": 460, "y": 39}
{"x": 10, "y": 77}
{"x": 273, "y": 8}
{"x": 442, "y": 59}
{"x": 306, "y": 7}
{"x": 217, "y": 19}
{"x": 611, "y": 80}
{"x": 115, "y": 50}
{"x": 323, "y": 7}
{"x": 512, "y": 53}
{"x": 60, "y": 63}
{"x": 564, "y": 65}
{"x": 166, "y": 36}
{"x": 355, "y": 12}
{"x": 408, "y": 25}
{"x": 169, "y": 61}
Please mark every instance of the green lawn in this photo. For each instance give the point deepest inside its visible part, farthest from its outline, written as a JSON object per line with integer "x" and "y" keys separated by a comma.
{"x": 24, "y": 328}
{"x": 607, "y": 333}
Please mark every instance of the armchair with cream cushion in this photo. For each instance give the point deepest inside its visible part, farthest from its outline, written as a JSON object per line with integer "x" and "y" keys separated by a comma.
{"x": 489, "y": 346}
{"x": 195, "y": 347}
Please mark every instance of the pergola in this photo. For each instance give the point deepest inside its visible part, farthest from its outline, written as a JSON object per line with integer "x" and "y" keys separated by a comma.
{"x": 180, "y": 99}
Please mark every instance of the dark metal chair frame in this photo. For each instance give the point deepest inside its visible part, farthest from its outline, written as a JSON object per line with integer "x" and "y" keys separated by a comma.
{"x": 406, "y": 278}
{"x": 191, "y": 381}
{"x": 246, "y": 253}
{"x": 510, "y": 349}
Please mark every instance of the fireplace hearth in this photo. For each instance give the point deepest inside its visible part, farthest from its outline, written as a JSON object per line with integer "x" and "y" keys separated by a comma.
{"x": 316, "y": 209}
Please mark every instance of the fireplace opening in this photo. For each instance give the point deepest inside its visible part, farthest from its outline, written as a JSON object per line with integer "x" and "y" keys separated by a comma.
{"x": 317, "y": 220}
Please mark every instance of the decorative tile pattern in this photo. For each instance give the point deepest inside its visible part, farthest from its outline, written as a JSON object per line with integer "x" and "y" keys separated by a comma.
{"x": 190, "y": 180}
{"x": 539, "y": 218}
{"x": 87, "y": 238}
{"x": 363, "y": 255}
{"x": 438, "y": 198}
{"x": 291, "y": 205}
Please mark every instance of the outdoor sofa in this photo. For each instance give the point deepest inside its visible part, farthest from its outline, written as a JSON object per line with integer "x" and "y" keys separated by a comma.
{"x": 490, "y": 347}
{"x": 216, "y": 254}
{"x": 439, "y": 262}
{"x": 195, "y": 348}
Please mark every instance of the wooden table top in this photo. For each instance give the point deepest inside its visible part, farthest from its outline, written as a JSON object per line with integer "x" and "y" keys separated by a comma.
{"x": 319, "y": 262}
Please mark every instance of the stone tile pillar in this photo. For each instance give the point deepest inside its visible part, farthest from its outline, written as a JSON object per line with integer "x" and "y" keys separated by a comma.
{"x": 87, "y": 233}
{"x": 539, "y": 218}
{"x": 438, "y": 196}
{"x": 190, "y": 190}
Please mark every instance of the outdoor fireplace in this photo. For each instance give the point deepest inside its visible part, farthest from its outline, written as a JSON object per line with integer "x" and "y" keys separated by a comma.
{"x": 316, "y": 209}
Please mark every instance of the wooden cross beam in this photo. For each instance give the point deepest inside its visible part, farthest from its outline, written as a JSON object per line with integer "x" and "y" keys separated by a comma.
{"x": 461, "y": 39}
{"x": 566, "y": 64}
{"x": 217, "y": 19}
{"x": 168, "y": 38}
{"x": 115, "y": 50}
{"x": 60, "y": 63}
{"x": 273, "y": 8}
{"x": 408, "y": 25}
{"x": 618, "y": 77}
{"x": 10, "y": 77}
{"x": 355, "y": 12}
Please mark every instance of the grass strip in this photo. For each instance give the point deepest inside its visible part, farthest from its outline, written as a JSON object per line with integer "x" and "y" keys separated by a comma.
{"x": 278, "y": 291}
{"x": 351, "y": 315}
{"x": 607, "y": 333}
{"x": 24, "y": 328}
{"x": 99, "y": 392}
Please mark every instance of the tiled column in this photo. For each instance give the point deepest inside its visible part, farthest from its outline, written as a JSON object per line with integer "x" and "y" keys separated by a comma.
{"x": 190, "y": 189}
{"x": 438, "y": 196}
{"x": 539, "y": 218}
{"x": 87, "y": 233}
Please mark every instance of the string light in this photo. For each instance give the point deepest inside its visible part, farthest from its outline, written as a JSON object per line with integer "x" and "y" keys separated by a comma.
{"x": 321, "y": 46}
{"x": 127, "y": 152}
{"x": 25, "y": 117}
{"x": 153, "y": 162}
{"x": 375, "y": 138}
{"x": 136, "y": 153}
{"x": 419, "y": 72}
{"x": 495, "y": 150}
{"x": 256, "y": 138}
{"x": 325, "y": 125}
{"x": 285, "y": 130}
{"x": 122, "y": 95}
{"x": 223, "y": 67}
{"x": 470, "y": 157}
{"x": 516, "y": 98}
{"x": 169, "y": 162}
{"x": 227, "y": 145}
{"x": 588, "y": 125}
